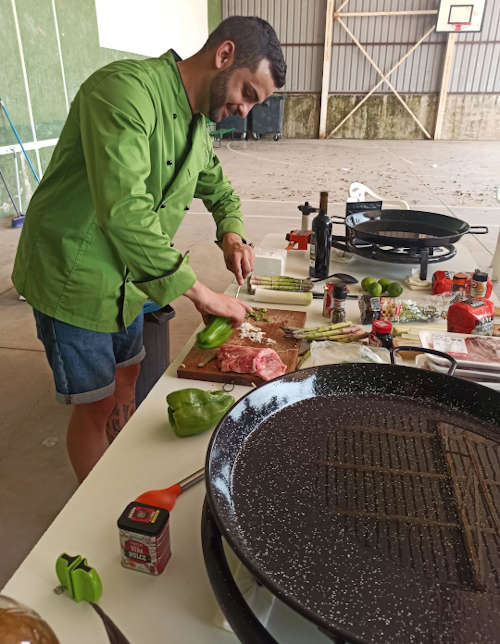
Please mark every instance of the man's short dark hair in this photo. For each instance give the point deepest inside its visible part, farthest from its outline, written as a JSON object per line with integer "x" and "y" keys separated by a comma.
{"x": 254, "y": 40}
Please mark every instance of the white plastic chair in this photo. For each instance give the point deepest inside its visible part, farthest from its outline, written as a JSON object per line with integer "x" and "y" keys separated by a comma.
{"x": 358, "y": 192}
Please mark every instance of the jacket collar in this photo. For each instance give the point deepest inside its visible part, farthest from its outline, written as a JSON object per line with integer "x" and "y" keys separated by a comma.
{"x": 171, "y": 57}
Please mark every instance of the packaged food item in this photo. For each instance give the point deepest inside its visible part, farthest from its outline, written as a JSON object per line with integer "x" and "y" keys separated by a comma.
{"x": 402, "y": 311}
{"x": 479, "y": 284}
{"x": 459, "y": 282}
{"x": 328, "y": 298}
{"x": 442, "y": 282}
{"x": 381, "y": 334}
{"x": 327, "y": 352}
{"x": 144, "y": 538}
{"x": 472, "y": 316}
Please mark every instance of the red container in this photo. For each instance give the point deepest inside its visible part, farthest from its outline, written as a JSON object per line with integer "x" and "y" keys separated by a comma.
{"x": 442, "y": 282}
{"x": 328, "y": 299}
{"x": 144, "y": 538}
{"x": 381, "y": 334}
{"x": 472, "y": 316}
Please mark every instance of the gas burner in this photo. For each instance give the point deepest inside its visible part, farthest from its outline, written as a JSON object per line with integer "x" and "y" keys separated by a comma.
{"x": 395, "y": 253}
{"x": 401, "y": 255}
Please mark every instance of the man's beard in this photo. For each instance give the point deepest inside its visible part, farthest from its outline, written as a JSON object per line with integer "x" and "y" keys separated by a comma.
{"x": 218, "y": 94}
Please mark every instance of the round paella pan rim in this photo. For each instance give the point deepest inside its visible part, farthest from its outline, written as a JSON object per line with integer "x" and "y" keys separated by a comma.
{"x": 451, "y": 230}
{"x": 435, "y": 382}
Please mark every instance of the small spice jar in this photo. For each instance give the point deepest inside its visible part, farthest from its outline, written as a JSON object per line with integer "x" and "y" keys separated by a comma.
{"x": 478, "y": 284}
{"x": 381, "y": 334}
{"x": 144, "y": 538}
{"x": 338, "y": 305}
{"x": 459, "y": 282}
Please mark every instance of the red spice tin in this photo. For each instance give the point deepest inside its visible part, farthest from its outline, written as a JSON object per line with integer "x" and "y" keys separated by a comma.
{"x": 144, "y": 538}
{"x": 328, "y": 299}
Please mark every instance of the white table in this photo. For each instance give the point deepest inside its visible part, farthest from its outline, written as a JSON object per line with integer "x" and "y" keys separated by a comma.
{"x": 177, "y": 606}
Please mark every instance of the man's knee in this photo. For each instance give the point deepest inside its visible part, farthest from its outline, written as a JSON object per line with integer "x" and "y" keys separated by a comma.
{"x": 98, "y": 410}
{"x": 126, "y": 377}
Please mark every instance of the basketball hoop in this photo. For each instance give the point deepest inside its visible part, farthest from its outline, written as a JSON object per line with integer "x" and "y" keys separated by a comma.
{"x": 460, "y": 16}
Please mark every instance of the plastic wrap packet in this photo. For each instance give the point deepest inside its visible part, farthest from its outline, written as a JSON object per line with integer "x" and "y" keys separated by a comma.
{"x": 327, "y": 352}
{"x": 402, "y": 311}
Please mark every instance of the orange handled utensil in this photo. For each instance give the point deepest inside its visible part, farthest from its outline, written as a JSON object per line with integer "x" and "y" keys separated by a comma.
{"x": 166, "y": 498}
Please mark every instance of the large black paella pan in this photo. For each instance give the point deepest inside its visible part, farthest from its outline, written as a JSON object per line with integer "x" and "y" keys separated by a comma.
{"x": 365, "y": 497}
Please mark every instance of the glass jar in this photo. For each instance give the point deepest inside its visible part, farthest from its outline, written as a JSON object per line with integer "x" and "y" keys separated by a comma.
{"x": 381, "y": 334}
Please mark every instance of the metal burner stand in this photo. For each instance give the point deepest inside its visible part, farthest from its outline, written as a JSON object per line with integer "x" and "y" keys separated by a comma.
{"x": 397, "y": 255}
{"x": 423, "y": 256}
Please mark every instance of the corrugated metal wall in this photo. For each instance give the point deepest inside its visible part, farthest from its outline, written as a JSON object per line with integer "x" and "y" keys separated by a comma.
{"x": 300, "y": 25}
{"x": 477, "y": 57}
{"x": 386, "y": 39}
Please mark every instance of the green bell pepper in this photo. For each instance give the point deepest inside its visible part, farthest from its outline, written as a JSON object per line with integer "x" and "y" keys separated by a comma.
{"x": 217, "y": 331}
{"x": 192, "y": 411}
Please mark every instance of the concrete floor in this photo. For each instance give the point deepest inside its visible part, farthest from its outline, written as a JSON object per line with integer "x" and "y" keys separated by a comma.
{"x": 456, "y": 178}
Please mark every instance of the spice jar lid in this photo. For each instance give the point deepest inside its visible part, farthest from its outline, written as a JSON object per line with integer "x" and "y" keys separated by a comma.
{"x": 382, "y": 326}
{"x": 480, "y": 276}
{"x": 143, "y": 518}
{"x": 339, "y": 291}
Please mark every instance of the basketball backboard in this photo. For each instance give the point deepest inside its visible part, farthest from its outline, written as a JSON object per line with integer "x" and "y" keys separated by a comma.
{"x": 460, "y": 15}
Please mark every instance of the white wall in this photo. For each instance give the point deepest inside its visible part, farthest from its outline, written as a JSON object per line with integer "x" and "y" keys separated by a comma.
{"x": 150, "y": 27}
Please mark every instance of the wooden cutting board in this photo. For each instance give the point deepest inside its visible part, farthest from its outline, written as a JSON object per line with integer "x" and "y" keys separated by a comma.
{"x": 286, "y": 348}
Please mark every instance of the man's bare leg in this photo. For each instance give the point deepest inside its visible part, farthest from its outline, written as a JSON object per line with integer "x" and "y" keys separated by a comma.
{"x": 86, "y": 438}
{"x": 93, "y": 426}
{"x": 125, "y": 379}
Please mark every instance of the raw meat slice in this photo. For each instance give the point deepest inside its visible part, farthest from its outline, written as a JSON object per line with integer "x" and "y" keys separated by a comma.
{"x": 483, "y": 349}
{"x": 264, "y": 363}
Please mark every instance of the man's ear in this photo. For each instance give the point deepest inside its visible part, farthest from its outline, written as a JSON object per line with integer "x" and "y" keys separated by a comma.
{"x": 224, "y": 55}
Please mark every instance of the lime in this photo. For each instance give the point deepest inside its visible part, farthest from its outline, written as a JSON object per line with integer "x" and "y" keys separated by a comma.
{"x": 384, "y": 283}
{"x": 394, "y": 289}
{"x": 366, "y": 281}
{"x": 374, "y": 289}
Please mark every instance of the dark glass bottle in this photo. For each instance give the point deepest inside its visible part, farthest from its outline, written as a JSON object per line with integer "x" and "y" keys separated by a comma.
{"x": 321, "y": 240}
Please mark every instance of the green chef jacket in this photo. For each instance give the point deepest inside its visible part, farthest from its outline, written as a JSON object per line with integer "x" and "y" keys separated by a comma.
{"x": 96, "y": 242}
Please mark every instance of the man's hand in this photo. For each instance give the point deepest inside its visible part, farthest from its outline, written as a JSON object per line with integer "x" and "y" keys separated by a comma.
{"x": 209, "y": 302}
{"x": 239, "y": 257}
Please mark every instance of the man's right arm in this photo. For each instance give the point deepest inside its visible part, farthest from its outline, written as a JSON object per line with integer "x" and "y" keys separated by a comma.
{"x": 209, "y": 303}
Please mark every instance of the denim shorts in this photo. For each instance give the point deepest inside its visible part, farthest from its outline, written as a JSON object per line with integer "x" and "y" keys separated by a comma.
{"x": 83, "y": 362}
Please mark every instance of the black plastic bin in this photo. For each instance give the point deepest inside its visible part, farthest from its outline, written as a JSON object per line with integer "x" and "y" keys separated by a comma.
{"x": 267, "y": 117}
{"x": 239, "y": 125}
{"x": 156, "y": 339}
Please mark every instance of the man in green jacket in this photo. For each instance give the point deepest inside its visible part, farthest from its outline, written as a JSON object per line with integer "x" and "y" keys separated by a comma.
{"x": 96, "y": 243}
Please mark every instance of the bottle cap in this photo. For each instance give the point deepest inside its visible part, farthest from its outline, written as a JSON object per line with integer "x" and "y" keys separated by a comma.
{"x": 480, "y": 276}
{"x": 339, "y": 291}
{"x": 382, "y": 326}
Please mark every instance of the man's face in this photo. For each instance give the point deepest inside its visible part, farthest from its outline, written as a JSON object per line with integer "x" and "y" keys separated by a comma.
{"x": 237, "y": 91}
